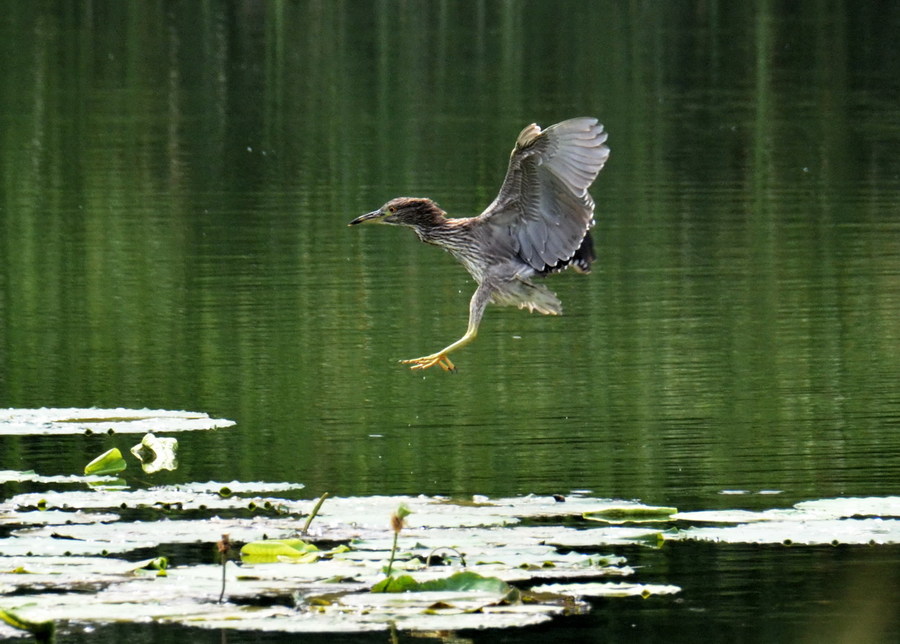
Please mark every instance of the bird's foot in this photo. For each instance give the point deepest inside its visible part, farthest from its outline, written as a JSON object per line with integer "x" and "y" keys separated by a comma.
{"x": 425, "y": 362}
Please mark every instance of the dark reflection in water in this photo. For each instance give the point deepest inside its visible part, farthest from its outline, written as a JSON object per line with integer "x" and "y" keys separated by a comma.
{"x": 177, "y": 179}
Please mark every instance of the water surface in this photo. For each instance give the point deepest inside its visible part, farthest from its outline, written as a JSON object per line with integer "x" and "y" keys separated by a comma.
{"x": 176, "y": 183}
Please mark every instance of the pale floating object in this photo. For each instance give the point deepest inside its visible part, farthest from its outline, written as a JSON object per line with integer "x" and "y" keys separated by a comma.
{"x": 30, "y": 475}
{"x": 850, "y": 520}
{"x": 156, "y": 453}
{"x": 333, "y": 591}
{"x": 75, "y": 420}
{"x": 814, "y": 532}
{"x": 608, "y": 589}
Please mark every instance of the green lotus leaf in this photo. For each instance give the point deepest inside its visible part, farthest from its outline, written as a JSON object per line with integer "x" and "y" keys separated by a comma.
{"x": 458, "y": 582}
{"x": 109, "y": 462}
{"x": 272, "y": 550}
{"x": 42, "y": 631}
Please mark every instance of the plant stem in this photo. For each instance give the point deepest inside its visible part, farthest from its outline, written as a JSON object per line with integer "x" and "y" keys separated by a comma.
{"x": 393, "y": 552}
{"x": 222, "y": 594}
{"x": 439, "y": 548}
{"x": 224, "y": 548}
{"x": 315, "y": 511}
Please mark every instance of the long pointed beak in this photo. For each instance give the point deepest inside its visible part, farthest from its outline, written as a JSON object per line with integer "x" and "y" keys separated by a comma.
{"x": 375, "y": 215}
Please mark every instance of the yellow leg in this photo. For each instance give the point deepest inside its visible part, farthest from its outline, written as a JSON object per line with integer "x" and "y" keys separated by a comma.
{"x": 440, "y": 358}
{"x": 479, "y": 301}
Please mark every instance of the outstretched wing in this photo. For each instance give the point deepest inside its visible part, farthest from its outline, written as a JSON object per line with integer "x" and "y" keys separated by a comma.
{"x": 544, "y": 210}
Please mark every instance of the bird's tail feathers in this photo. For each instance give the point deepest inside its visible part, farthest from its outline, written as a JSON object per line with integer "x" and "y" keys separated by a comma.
{"x": 531, "y": 296}
{"x": 548, "y": 306}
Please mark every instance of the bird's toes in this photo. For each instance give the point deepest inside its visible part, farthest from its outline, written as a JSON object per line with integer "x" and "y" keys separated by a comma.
{"x": 427, "y": 362}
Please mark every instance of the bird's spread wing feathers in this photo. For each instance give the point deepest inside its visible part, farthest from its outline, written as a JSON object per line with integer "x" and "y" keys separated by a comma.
{"x": 544, "y": 210}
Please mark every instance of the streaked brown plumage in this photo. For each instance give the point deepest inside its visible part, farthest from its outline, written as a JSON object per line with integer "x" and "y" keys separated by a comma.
{"x": 537, "y": 225}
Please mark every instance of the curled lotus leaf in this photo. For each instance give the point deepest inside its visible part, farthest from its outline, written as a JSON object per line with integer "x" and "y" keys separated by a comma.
{"x": 109, "y": 462}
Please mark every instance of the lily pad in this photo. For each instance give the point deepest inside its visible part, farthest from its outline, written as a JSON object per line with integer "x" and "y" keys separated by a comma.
{"x": 272, "y": 550}
{"x": 631, "y": 514}
{"x": 109, "y": 462}
{"x": 722, "y": 516}
{"x": 49, "y": 566}
{"x": 819, "y": 532}
{"x": 55, "y": 517}
{"x": 119, "y": 421}
{"x": 7, "y": 476}
{"x": 328, "y": 589}
{"x": 235, "y": 487}
{"x": 42, "y": 631}
{"x": 609, "y": 589}
{"x": 458, "y": 582}
{"x": 870, "y": 520}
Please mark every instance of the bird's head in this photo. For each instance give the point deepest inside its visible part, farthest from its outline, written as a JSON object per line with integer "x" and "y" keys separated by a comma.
{"x": 405, "y": 211}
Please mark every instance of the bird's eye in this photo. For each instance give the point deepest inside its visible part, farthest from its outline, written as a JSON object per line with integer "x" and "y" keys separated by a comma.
{"x": 392, "y": 209}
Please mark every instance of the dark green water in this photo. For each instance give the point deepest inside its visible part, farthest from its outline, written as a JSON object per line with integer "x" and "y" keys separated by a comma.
{"x": 176, "y": 182}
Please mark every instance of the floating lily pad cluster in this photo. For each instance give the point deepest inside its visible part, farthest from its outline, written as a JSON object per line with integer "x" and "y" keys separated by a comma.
{"x": 525, "y": 559}
{"x": 55, "y": 421}
{"x": 150, "y": 553}
{"x": 153, "y": 453}
{"x": 485, "y": 556}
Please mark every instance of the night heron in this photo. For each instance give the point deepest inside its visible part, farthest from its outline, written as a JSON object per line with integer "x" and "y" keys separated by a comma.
{"x": 537, "y": 225}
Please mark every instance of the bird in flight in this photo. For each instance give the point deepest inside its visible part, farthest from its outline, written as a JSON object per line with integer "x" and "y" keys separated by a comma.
{"x": 539, "y": 224}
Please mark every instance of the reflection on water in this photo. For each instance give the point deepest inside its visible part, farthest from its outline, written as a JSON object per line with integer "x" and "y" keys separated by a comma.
{"x": 177, "y": 179}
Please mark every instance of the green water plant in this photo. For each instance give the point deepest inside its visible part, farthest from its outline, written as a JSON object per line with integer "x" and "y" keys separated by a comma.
{"x": 631, "y": 514}
{"x": 43, "y": 632}
{"x": 84, "y": 575}
{"x": 314, "y": 512}
{"x": 398, "y": 522}
{"x": 109, "y": 462}
{"x": 273, "y": 550}
{"x": 223, "y": 546}
{"x": 463, "y": 581}
{"x": 433, "y": 556}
